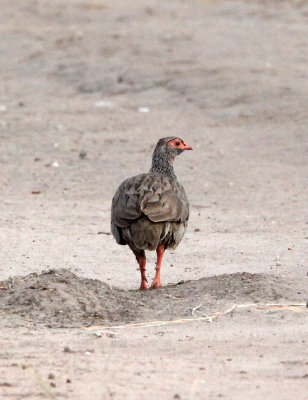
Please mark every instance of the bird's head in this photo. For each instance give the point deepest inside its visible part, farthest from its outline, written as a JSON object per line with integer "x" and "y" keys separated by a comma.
{"x": 171, "y": 146}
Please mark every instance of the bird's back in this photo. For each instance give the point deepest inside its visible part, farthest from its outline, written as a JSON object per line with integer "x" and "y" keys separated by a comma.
{"x": 148, "y": 209}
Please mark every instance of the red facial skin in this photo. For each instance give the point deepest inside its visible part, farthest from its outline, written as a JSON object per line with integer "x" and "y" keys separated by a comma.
{"x": 179, "y": 144}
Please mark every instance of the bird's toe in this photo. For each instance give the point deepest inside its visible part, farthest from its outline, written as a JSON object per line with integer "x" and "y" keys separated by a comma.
{"x": 143, "y": 286}
{"x": 156, "y": 285}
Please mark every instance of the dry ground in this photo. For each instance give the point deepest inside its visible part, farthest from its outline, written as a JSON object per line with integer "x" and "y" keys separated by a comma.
{"x": 230, "y": 78}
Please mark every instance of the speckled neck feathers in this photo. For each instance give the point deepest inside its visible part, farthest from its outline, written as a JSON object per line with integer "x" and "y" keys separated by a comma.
{"x": 162, "y": 162}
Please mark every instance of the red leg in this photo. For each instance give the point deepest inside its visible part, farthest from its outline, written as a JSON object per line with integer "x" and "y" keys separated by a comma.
{"x": 160, "y": 252}
{"x": 142, "y": 262}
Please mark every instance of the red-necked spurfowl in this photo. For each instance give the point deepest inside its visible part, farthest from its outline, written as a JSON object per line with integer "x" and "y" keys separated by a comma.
{"x": 150, "y": 211}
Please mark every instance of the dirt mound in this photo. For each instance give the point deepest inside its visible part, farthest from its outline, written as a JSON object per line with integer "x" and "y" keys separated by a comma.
{"x": 59, "y": 298}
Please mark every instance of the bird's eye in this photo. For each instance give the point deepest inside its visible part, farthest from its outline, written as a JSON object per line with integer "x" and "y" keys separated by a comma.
{"x": 177, "y": 143}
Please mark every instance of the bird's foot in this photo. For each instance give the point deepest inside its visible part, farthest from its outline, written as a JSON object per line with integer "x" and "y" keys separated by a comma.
{"x": 156, "y": 284}
{"x": 143, "y": 286}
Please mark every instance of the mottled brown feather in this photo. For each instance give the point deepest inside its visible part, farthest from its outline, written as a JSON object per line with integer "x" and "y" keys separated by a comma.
{"x": 155, "y": 196}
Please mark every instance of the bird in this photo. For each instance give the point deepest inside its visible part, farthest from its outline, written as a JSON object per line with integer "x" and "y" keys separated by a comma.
{"x": 150, "y": 211}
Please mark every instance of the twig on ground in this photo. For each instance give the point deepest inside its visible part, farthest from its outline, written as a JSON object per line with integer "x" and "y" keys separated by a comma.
{"x": 193, "y": 311}
{"x": 144, "y": 324}
{"x": 44, "y": 386}
{"x": 108, "y": 332}
{"x": 298, "y": 307}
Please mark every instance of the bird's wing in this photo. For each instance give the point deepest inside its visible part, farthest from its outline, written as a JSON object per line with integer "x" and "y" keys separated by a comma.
{"x": 153, "y": 195}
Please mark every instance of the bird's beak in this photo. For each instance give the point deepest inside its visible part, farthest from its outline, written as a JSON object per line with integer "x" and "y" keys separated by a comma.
{"x": 186, "y": 147}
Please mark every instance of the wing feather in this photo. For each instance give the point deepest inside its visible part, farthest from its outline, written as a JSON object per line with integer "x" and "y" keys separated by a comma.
{"x": 153, "y": 195}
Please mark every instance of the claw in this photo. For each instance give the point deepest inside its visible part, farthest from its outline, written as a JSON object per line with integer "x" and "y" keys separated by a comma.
{"x": 143, "y": 286}
{"x": 156, "y": 284}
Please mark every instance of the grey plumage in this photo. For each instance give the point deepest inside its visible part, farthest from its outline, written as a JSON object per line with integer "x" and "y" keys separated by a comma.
{"x": 152, "y": 209}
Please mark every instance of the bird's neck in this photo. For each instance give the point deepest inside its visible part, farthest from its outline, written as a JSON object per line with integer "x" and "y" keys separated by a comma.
{"x": 162, "y": 163}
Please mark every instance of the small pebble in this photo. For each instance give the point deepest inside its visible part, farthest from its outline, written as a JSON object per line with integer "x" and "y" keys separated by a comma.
{"x": 67, "y": 349}
{"x": 104, "y": 104}
{"x": 82, "y": 154}
{"x": 52, "y": 384}
{"x": 111, "y": 335}
{"x": 143, "y": 109}
{"x": 51, "y": 376}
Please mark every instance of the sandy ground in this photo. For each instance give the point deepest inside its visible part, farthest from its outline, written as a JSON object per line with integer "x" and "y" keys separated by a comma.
{"x": 230, "y": 78}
